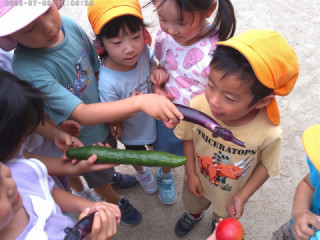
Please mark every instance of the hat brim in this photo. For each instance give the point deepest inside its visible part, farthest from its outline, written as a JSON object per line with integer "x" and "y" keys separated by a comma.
{"x": 19, "y": 17}
{"x": 106, "y": 17}
{"x": 311, "y": 143}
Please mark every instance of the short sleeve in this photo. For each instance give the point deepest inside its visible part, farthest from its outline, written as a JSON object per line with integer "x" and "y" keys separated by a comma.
{"x": 314, "y": 174}
{"x": 59, "y": 101}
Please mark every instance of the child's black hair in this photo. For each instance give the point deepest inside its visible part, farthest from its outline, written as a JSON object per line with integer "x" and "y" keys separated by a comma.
{"x": 22, "y": 109}
{"x": 224, "y": 23}
{"x": 113, "y": 27}
{"x": 230, "y": 61}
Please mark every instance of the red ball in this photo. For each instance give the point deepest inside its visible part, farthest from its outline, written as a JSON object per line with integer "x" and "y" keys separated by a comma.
{"x": 229, "y": 229}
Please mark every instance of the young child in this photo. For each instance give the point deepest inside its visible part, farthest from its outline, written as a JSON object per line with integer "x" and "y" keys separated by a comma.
{"x": 56, "y": 56}
{"x": 246, "y": 73}
{"x": 305, "y": 222}
{"x": 31, "y": 204}
{"x": 183, "y": 47}
{"x": 119, "y": 28}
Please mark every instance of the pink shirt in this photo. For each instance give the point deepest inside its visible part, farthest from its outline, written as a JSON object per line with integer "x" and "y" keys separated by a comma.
{"x": 187, "y": 66}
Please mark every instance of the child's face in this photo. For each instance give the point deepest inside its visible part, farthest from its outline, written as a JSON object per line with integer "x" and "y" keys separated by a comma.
{"x": 10, "y": 199}
{"x": 229, "y": 99}
{"x": 44, "y": 32}
{"x": 185, "y": 33}
{"x": 123, "y": 50}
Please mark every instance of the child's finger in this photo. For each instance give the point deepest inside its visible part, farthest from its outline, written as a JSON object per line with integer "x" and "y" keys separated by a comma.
{"x": 116, "y": 211}
{"x": 96, "y": 225}
{"x": 108, "y": 219}
{"x": 76, "y": 142}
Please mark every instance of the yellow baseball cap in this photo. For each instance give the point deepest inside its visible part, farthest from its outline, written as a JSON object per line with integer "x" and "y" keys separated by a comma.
{"x": 311, "y": 142}
{"x": 101, "y": 12}
{"x": 273, "y": 60}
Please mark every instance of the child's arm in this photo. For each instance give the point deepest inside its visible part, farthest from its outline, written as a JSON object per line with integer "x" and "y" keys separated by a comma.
{"x": 60, "y": 138}
{"x": 105, "y": 221}
{"x": 158, "y": 107}
{"x": 116, "y": 129}
{"x": 194, "y": 184}
{"x": 70, "y": 203}
{"x": 257, "y": 178}
{"x": 58, "y": 167}
{"x": 302, "y": 216}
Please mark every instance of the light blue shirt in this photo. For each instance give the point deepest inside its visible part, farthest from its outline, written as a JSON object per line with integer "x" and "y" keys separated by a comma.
{"x": 115, "y": 85}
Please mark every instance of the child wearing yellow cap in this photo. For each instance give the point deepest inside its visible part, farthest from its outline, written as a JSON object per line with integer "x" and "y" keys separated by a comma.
{"x": 305, "y": 222}
{"x": 246, "y": 73}
{"x": 127, "y": 68}
{"x": 124, "y": 72}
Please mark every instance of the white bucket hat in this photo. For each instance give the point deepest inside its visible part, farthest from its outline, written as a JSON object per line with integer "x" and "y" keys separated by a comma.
{"x": 16, "y": 14}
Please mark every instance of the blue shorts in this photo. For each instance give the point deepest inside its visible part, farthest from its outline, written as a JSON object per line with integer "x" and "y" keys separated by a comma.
{"x": 166, "y": 140}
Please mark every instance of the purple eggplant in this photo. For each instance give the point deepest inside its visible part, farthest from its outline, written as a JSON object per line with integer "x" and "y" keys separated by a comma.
{"x": 81, "y": 229}
{"x": 197, "y": 117}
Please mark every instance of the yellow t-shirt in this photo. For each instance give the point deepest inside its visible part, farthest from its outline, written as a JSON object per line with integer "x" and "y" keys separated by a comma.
{"x": 262, "y": 144}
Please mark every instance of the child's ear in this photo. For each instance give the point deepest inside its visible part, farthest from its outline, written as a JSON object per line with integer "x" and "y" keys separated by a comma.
{"x": 98, "y": 46}
{"x": 7, "y": 43}
{"x": 211, "y": 10}
{"x": 264, "y": 101}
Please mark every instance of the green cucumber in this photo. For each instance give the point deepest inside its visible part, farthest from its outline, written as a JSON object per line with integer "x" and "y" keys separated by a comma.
{"x": 132, "y": 157}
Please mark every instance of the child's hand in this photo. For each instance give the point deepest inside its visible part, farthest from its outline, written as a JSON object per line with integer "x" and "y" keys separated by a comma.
{"x": 71, "y": 127}
{"x": 213, "y": 235}
{"x": 236, "y": 208}
{"x": 301, "y": 225}
{"x": 194, "y": 186}
{"x": 95, "y": 206}
{"x": 159, "y": 107}
{"x": 158, "y": 76}
{"x": 63, "y": 141}
{"x": 116, "y": 129}
{"x": 105, "y": 220}
{"x": 88, "y": 165}
{"x": 170, "y": 124}
{"x": 158, "y": 89}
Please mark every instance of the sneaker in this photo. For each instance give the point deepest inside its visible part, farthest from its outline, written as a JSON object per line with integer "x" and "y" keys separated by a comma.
{"x": 167, "y": 190}
{"x": 123, "y": 181}
{"x": 130, "y": 216}
{"x": 89, "y": 194}
{"x": 147, "y": 181}
{"x": 185, "y": 224}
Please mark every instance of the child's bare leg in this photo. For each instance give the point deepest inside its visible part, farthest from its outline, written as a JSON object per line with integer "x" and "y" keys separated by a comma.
{"x": 166, "y": 170}
{"x": 106, "y": 191}
{"x": 76, "y": 183}
{"x": 138, "y": 168}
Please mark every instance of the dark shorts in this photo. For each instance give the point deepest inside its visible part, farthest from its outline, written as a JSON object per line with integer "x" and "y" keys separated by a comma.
{"x": 100, "y": 178}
